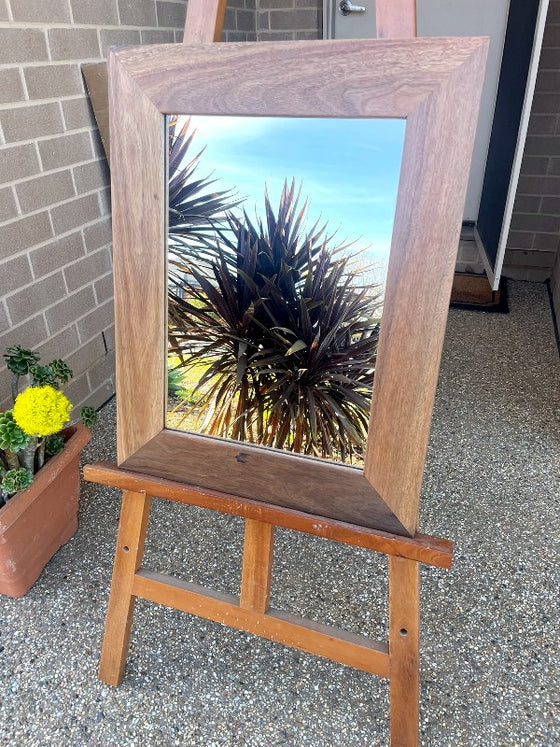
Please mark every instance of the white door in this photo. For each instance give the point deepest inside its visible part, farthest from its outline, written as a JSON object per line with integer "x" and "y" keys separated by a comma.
{"x": 478, "y": 18}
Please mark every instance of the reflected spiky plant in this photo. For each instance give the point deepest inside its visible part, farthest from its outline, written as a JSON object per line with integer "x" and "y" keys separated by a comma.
{"x": 195, "y": 208}
{"x": 287, "y": 334}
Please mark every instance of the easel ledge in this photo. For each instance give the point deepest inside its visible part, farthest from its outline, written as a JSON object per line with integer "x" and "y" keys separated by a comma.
{"x": 422, "y": 548}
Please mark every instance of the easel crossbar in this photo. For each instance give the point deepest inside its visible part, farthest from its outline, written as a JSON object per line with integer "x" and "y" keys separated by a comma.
{"x": 421, "y": 548}
{"x": 306, "y": 635}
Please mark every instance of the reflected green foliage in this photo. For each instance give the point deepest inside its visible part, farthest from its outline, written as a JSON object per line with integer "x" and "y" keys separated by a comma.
{"x": 287, "y": 337}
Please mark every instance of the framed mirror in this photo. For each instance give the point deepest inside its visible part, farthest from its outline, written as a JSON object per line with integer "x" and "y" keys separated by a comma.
{"x": 429, "y": 88}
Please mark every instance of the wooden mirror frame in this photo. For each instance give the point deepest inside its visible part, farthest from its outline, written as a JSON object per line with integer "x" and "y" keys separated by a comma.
{"x": 435, "y": 85}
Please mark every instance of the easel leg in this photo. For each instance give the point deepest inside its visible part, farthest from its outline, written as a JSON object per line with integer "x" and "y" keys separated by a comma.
{"x": 133, "y": 523}
{"x": 257, "y": 565}
{"x": 404, "y": 600}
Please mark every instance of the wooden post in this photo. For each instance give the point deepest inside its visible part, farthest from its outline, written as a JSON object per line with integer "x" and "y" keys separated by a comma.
{"x": 257, "y": 565}
{"x": 131, "y": 536}
{"x": 404, "y": 600}
{"x": 204, "y": 21}
{"x": 395, "y": 19}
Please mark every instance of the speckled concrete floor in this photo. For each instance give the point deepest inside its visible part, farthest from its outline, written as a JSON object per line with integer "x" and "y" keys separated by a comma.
{"x": 490, "y": 659}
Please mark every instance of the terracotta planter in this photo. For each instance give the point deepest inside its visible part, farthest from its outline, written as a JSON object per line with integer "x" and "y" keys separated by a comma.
{"x": 35, "y": 523}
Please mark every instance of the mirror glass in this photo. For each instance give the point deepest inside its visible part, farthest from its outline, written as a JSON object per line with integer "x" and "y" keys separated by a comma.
{"x": 278, "y": 243}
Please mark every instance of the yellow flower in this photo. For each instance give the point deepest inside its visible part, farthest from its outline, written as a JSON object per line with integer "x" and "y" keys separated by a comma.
{"x": 41, "y": 410}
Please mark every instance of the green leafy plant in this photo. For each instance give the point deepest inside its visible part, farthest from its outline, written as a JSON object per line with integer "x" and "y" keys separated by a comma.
{"x": 30, "y": 430}
{"x": 285, "y": 331}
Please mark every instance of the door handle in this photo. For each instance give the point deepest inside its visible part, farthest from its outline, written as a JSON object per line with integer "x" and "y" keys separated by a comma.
{"x": 345, "y": 7}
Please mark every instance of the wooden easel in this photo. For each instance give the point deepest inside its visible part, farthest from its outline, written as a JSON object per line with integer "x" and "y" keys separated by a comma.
{"x": 396, "y": 660}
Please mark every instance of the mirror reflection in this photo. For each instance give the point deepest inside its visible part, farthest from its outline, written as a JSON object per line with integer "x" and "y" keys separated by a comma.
{"x": 278, "y": 243}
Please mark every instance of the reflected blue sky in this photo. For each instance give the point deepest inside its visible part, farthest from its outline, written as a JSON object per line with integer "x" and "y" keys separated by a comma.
{"x": 349, "y": 169}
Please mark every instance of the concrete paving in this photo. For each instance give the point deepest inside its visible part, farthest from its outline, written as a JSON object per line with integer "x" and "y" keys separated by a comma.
{"x": 490, "y": 659}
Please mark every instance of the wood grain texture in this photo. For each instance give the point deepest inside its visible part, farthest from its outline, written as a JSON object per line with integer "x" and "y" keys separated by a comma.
{"x": 204, "y": 21}
{"x": 317, "y": 486}
{"x": 258, "y": 550}
{"x": 131, "y": 536}
{"x": 96, "y": 80}
{"x": 331, "y": 78}
{"x": 435, "y": 84}
{"x": 395, "y": 19}
{"x": 139, "y": 205}
{"x": 436, "y": 159}
{"x": 305, "y": 635}
{"x": 421, "y": 548}
{"x": 404, "y": 601}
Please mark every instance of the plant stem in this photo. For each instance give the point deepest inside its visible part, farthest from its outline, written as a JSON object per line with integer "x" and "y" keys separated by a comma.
{"x": 15, "y": 382}
{"x": 11, "y": 459}
{"x": 28, "y": 455}
{"x": 41, "y": 454}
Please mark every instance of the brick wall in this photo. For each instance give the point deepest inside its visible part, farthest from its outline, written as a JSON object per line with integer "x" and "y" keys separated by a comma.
{"x": 535, "y": 229}
{"x": 55, "y": 233}
{"x": 240, "y": 22}
{"x": 289, "y": 19}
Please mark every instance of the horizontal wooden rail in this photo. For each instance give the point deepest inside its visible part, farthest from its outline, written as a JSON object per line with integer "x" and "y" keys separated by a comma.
{"x": 422, "y": 548}
{"x": 305, "y": 635}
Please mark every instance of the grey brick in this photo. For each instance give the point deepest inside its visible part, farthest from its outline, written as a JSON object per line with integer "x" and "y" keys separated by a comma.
{"x": 29, "y": 122}
{"x": 109, "y": 337}
{"x": 551, "y": 205}
{"x": 86, "y": 355}
{"x": 157, "y": 36}
{"x": 78, "y": 113}
{"x": 276, "y": 36}
{"x": 294, "y": 20}
{"x": 535, "y": 222}
{"x": 87, "y": 269}
{"x": 546, "y": 103}
{"x": 78, "y": 390}
{"x": 60, "y": 346}
{"x": 538, "y": 185}
{"x": 14, "y": 274}
{"x": 75, "y": 213}
{"x": 548, "y": 81}
{"x": 100, "y": 12}
{"x": 45, "y": 190}
{"x": 279, "y": 4}
{"x": 17, "y": 162}
{"x": 101, "y": 396}
{"x": 3, "y": 320}
{"x": 104, "y": 288}
{"x": 102, "y": 371}
{"x": 171, "y": 15}
{"x": 554, "y": 166}
{"x": 530, "y": 258}
{"x": 8, "y": 207}
{"x": 118, "y": 38}
{"x": 22, "y": 45}
{"x": 137, "y": 12}
{"x": 526, "y": 204}
{"x": 105, "y": 200}
{"x": 37, "y": 11}
{"x": 66, "y": 150}
{"x": 3, "y": 15}
{"x": 99, "y": 320}
{"x": 71, "y": 308}
{"x": 245, "y": 20}
{"x": 58, "y": 253}
{"x": 29, "y": 301}
{"x": 542, "y": 124}
{"x": 520, "y": 240}
{"x": 11, "y": 86}
{"x": 534, "y": 165}
{"x": 550, "y": 58}
{"x": 24, "y": 233}
{"x": 90, "y": 176}
{"x": 98, "y": 235}
{"x": 546, "y": 242}
{"x": 28, "y": 335}
{"x": 53, "y": 81}
{"x": 73, "y": 44}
